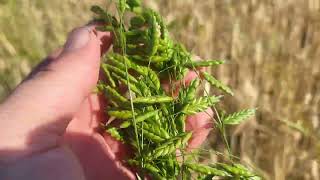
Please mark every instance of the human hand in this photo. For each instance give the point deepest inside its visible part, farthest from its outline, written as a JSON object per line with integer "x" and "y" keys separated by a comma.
{"x": 50, "y": 123}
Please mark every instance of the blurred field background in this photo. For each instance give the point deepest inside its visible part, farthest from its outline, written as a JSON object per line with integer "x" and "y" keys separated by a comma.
{"x": 273, "y": 53}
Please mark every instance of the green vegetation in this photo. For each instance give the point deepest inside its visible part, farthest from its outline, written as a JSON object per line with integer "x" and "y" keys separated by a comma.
{"x": 272, "y": 62}
{"x": 143, "y": 54}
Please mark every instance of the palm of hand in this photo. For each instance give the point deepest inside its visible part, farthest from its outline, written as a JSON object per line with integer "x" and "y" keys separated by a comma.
{"x": 101, "y": 156}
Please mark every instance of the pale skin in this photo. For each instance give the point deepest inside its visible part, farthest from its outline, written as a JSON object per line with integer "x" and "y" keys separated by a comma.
{"x": 49, "y": 125}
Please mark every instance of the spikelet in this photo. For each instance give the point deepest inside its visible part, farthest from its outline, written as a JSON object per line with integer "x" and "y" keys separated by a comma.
{"x": 196, "y": 64}
{"x": 159, "y": 59}
{"x": 148, "y": 73}
{"x": 114, "y": 95}
{"x": 181, "y": 123}
{"x": 214, "y": 82}
{"x": 114, "y": 132}
{"x": 153, "y": 33}
{"x": 108, "y": 76}
{"x": 236, "y": 170}
{"x": 116, "y": 62}
{"x": 124, "y": 81}
{"x": 200, "y": 105}
{"x": 203, "y": 169}
{"x": 155, "y": 133}
{"x": 152, "y": 100}
{"x": 144, "y": 89}
{"x": 123, "y": 114}
{"x": 120, "y": 73}
{"x": 133, "y": 4}
{"x": 122, "y": 5}
{"x": 154, "y": 79}
{"x": 190, "y": 92}
{"x": 154, "y": 172}
{"x": 137, "y": 22}
{"x": 238, "y": 117}
{"x": 170, "y": 146}
{"x": 163, "y": 28}
{"x": 152, "y": 137}
{"x": 139, "y": 118}
{"x": 145, "y": 71}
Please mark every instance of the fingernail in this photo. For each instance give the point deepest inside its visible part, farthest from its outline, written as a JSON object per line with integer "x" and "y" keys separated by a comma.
{"x": 78, "y": 39}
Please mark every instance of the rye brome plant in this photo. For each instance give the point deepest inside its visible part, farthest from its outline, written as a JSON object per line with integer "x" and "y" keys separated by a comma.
{"x": 151, "y": 119}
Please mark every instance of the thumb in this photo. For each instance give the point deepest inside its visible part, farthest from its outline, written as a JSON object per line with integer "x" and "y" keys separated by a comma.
{"x": 47, "y": 100}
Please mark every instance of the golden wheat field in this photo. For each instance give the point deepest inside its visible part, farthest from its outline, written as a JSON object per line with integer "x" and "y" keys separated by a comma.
{"x": 272, "y": 49}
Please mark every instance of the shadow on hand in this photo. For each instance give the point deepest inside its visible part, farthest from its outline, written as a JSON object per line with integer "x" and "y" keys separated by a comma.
{"x": 97, "y": 155}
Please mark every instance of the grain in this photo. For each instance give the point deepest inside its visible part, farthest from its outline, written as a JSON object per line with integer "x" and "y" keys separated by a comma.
{"x": 170, "y": 146}
{"x": 199, "y": 105}
{"x": 139, "y": 119}
{"x": 206, "y": 170}
{"x": 151, "y": 120}
{"x": 153, "y": 100}
{"x": 124, "y": 114}
{"x": 204, "y": 63}
{"x": 214, "y": 82}
{"x": 238, "y": 117}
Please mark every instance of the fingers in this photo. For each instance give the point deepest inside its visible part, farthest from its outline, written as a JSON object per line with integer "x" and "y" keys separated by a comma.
{"x": 100, "y": 156}
{"x": 200, "y": 125}
{"x": 48, "y": 99}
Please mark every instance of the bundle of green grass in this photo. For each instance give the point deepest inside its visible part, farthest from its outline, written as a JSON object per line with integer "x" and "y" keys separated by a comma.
{"x": 151, "y": 119}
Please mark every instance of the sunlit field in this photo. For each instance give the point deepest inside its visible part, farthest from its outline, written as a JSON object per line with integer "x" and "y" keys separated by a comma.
{"x": 272, "y": 49}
